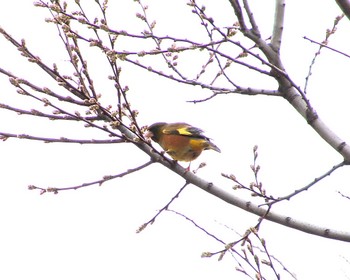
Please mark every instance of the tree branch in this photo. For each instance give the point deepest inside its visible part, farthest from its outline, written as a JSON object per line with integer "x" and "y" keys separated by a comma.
{"x": 151, "y": 221}
{"x": 344, "y": 5}
{"x": 276, "y": 38}
{"x": 4, "y": 136}
{"x": 51, "y": 72}
{"x": 287, "y": 87}
{"x": 329, "y": 32}
{"x": 308, "y": 186}
{"x": 106, "y": 178}
{"x": 327, "y": 47}
{"x": 295, "y": 96}
{"x": 43, "y": 90}
{"x": 236, "y": 201}
{"x": 255, "y": 27}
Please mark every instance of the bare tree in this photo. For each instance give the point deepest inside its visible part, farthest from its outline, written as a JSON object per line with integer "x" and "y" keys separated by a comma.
{"x": 72, "y": 96}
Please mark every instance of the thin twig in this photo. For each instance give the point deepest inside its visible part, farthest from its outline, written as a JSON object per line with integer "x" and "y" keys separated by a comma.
{"x": 151, "y": 221}
{"x": 106, "y": 178}
{"x": 308, "y": 186}
{"x": 51, "y": 72}
{"x": 252, "y": 20}
{"x": 322, "y": 45}
{"x": 43, "y": 90}
{"x": 343, "y": 195}
{"x": 4, "y": 136}
{"x": 327, "y": 47}
{"x": 36, "y": 113}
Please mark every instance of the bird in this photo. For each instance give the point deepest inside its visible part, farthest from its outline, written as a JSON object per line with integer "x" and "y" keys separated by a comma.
{"x": 182, "y": 141}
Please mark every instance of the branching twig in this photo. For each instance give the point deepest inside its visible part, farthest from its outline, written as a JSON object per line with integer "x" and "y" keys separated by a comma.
{"x": 197, "y": 226}
{"x": 43, "y": 90}
{"x": 256, "y": 187}
{"x": 51, "y": 72}
{"x": 262, "y": 250}
{"x": 322, "y": 45}
{"x": 228, "y": 247}
{"x": 243, "y": 91}
{"x": 308, "y": 186}
{"x": 254, "y": 262}
{"x": 149, "y": 32}
{"x": 205, "y": 21}
{"x": 5, "y": 135}
{"x": 55, "y": 116}
{"x": 151, "y": 221}
{"x": 106, "y": 178}
{"x": 268, "y": 65}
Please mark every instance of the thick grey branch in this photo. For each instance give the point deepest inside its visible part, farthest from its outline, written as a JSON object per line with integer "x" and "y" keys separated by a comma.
{"x": 295, "y": 96}
{"x": 344, "y": 6}
{"x": 276, "y": 38}
{"x": 232, "y": 199}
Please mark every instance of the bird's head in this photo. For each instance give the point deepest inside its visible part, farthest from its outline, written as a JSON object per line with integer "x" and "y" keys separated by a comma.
{"x": 154, "y": 130}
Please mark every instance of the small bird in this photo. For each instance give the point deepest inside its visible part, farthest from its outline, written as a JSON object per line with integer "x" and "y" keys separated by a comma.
{"x": 183, "y": 142}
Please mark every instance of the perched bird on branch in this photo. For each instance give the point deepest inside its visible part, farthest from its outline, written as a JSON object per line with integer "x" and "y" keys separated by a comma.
{"x": 183, "y": 142}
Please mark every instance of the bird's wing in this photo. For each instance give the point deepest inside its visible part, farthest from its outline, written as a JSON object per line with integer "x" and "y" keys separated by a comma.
{"x": 184, "y": 129}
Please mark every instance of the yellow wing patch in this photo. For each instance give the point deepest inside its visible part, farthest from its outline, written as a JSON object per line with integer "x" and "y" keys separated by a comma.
{"x": 184, "y": 131}
{"x": 177, "y": 130}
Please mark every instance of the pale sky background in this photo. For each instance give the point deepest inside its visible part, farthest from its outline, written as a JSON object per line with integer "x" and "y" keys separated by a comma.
{"x": 91, "y": 233}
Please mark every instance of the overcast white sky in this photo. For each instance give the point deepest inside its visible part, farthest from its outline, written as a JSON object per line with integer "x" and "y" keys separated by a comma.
{"x": 91, "y": 233}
